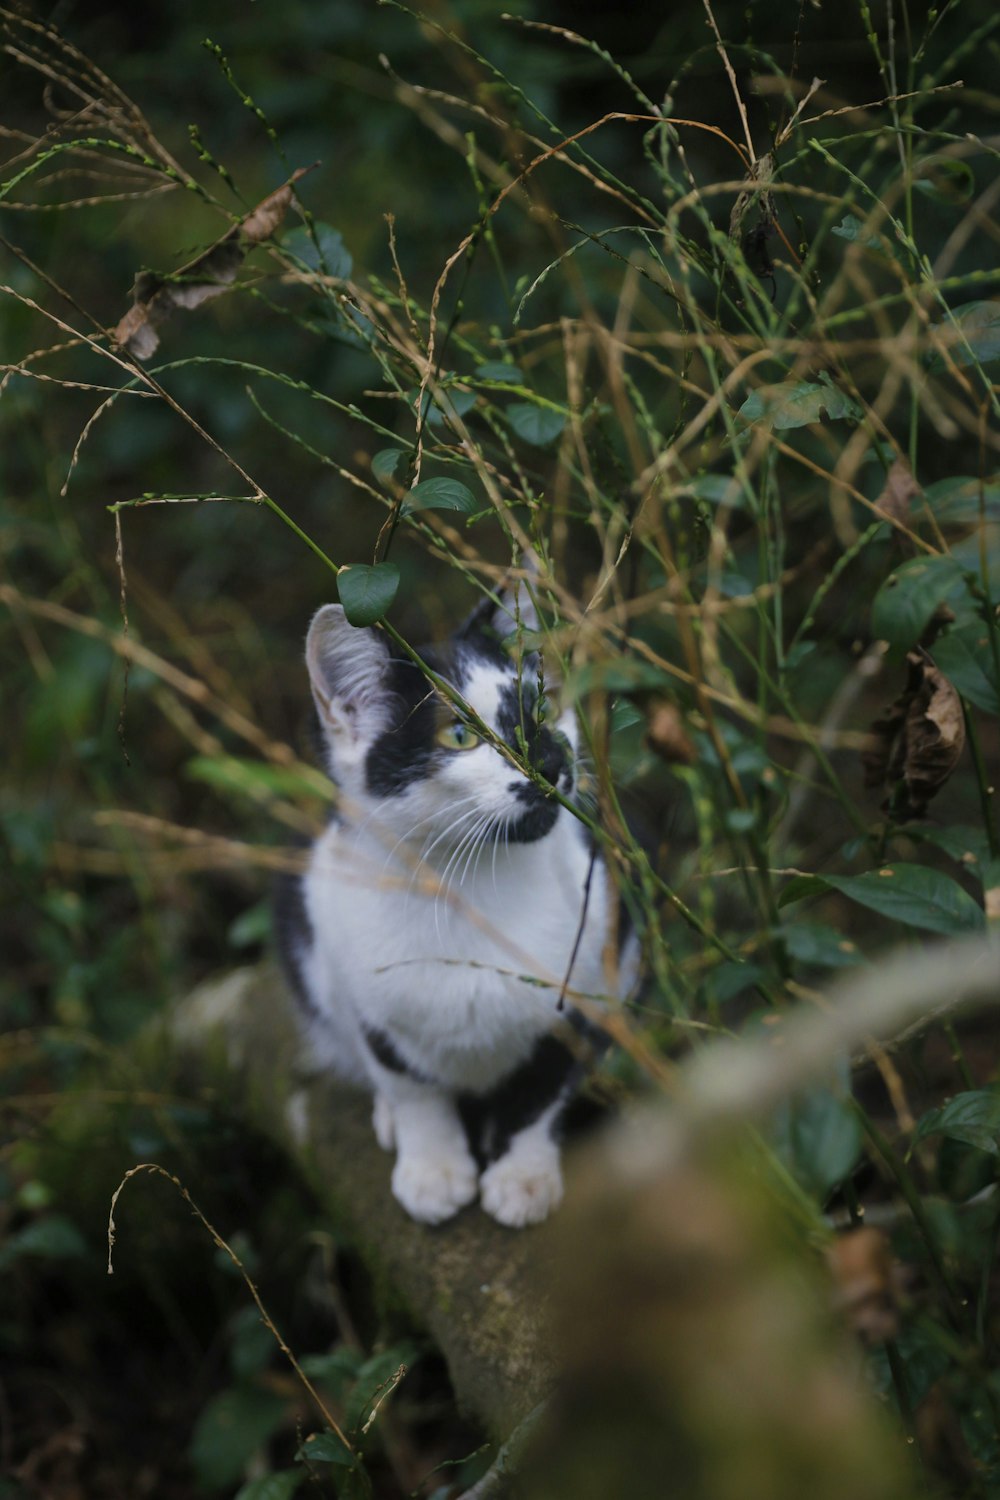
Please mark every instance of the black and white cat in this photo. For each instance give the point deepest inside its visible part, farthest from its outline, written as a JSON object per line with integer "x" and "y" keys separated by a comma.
{"x": 443, "y": 908}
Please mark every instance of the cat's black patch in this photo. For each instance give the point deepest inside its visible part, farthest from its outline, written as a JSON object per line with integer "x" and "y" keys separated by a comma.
{"x": 404, "y": 753}
{"x": 492, "y": 1119}
{"x": 382, "y": 1049}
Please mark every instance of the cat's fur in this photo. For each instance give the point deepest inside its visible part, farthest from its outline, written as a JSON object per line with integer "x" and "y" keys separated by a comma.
{"x": 436, "y": 922}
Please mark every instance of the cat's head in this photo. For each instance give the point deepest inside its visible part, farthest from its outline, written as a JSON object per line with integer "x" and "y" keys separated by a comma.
{"x": 409, "y": 760}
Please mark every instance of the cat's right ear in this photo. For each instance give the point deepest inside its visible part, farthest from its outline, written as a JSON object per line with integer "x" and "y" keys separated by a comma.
{"x": 348, "y": 666}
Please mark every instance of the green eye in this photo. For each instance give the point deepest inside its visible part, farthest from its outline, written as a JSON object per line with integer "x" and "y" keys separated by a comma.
{"x": 457, "y": 736}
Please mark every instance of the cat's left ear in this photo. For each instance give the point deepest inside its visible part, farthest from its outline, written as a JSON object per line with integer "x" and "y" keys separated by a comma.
{"x": 348, "y": 669}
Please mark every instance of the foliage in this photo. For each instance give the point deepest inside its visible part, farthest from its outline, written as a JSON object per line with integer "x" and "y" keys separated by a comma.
{"x": 722, "y": 362}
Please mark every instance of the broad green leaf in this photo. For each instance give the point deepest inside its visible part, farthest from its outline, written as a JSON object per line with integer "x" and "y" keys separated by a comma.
{"x": 972, "y": 1117}
{"x": 796, "y": 403}
{"x": 495, "y": 369}
{"x": 327, "y": 1448}
{"x": 440, "y": 494}
{"x": 230, "y": 1430}
{"x": 624, "y": 714}
{"x": 851, "y": 228}
{"x": 730, "y": 979}
{"x": 818, "y": 946}
{"x": 965, "y": 658}
{"x": 972, "y": 335}
{"x": 957, "y": 501}
{"x": 367, "y": 590}
{"x": 910, "y": 894}
{"x": 818, "y": 1136}
{"x": 280, "y": 1486}
{"x": 906, "y": 601}
{"x": 537, "y": 425}
{"x": 964, "y": 842}
{"x": 945, "y": 179}
{"x": 389, "y": 464}
{"x": 328, "y": 254}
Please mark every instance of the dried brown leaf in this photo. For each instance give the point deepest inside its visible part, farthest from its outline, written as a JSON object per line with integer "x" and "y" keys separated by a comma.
{"x": 918, "y": 741}
{"x": 900, "y": 490}
{"x": 155, "y": 297}
{"x": 666, "y": 735}
{"x": 867, "y": 1282}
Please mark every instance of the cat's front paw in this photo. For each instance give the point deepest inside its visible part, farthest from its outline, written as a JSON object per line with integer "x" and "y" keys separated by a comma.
{"x": 431, "y": 1189}
{"x": 522, "y": 1188}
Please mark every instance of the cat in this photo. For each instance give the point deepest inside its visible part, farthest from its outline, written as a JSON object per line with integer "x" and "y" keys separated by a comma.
{"x": 446, "y": 906}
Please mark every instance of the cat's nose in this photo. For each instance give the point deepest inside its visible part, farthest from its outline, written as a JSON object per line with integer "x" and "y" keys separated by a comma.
{"x": 549, "y": 758}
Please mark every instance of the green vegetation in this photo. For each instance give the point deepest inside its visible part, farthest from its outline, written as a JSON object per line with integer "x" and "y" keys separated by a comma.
{"x": 711, "y": 338}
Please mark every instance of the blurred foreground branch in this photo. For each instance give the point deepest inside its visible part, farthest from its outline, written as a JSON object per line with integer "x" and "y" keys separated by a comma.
{"x": 694, "y": 1332}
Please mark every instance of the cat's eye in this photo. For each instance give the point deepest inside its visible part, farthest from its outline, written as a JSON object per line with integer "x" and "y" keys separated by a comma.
{"x": 457, "y": 736}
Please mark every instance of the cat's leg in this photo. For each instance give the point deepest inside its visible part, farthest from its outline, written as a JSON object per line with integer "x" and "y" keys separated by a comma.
{"x": 435, "y": 1173}
{"x": 525, "y": 1184}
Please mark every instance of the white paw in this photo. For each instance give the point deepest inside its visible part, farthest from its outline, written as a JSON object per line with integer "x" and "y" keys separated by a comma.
{"x": 383, "y": 1123}
{"x": 522, "y": 1189}
{"x": 432, "y": 1188}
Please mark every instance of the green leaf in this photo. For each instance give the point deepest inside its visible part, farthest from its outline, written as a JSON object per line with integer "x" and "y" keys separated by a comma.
{"x": 278, "y": 1486}
{"x": 610, "y": 676}
{"x": 965, "y": 658}
{"x": 851, "y": 228}
{"x": 327, "y": 1448}
{"x": 796, "y": 403}
{"x": 448, "y": 402}
{"x": 624, "y": 715}
{"x": 230, "y": 1430}
{"x": 972, "y": 335}
{"x": 957, "y": 501}
{"x": 367, "y": 590}
{"x": 338, "y": 1369}
{"x": 327, "y": 255}
{"x": 944, "y": 179}
{"x": 440, "y": 494}
{"x": 817, "y": 946}
{"x": 251, "y": 926}
{"x": 817, "y": 1135}
{"x": 717, "y": 489}
{"x": 53, "y": 1237}
{"x": 963, "y": 842}
{"x": 252, "y": 1343}
{"x": 496, "y": 370}
{"x": 906, "y": 601}
{"x": 537, "y": 425}
{"x": 910, "y": 894}
{"x": 972, "y": 1117}
{"x": 388, "y": 464}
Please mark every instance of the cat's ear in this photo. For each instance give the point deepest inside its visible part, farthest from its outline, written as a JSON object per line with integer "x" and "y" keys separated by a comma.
{"x": 348, "y": 669}
{"x": 512, "y": 612}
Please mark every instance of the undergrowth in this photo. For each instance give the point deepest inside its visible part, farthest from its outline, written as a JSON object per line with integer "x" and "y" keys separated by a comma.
{"x": 717, "y": 357}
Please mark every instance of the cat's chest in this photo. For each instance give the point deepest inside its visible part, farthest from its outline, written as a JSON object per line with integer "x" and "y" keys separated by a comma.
{"x": 481, "y": 954}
